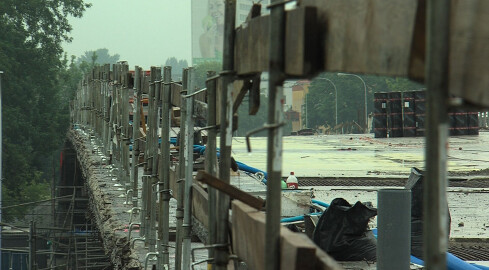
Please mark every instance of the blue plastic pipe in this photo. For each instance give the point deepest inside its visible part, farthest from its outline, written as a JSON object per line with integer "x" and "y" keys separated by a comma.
{"x": 323, "y": 204}
{"x": 453, "y": 262}
{"x": 297, "y": 218}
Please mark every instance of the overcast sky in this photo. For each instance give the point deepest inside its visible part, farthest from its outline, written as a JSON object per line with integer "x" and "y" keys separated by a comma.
{"x": 143, "y": 32}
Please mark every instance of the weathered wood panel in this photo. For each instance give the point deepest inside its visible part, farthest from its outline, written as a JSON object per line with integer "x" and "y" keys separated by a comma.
{"x": 469, "y": 51}
{"x": 301, "y": 59}
{"x": 200, "y": 209}
{"x": 298, "y": 252}
{"x": 371, "y": 36}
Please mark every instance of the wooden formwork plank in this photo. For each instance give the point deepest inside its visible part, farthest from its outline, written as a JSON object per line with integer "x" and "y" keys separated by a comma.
{"x": 469, "y": 51}
{"x": 301, "y": 46}
{"x": 298, "y": 251}
{"x": 200, "y": 205}
{"x": 371, "y": 36}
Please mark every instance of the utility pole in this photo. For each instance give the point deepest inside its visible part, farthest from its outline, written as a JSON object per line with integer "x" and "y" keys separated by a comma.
{"x": 226, "y": 129}
{"x": 275, "y": 132}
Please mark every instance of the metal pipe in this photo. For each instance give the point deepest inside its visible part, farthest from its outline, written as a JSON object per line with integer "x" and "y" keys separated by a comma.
{"x": 274, "y": 146}
{"x": 189, "y": 160}
{"x": 210, "y": 159}
{"x": 226, "y": 129}
{"x": 394, "y": 229}
{"x": 435, "y": 214}
{"x": 136, "y": 134}
{"x": 164, "y": 176}
{"x": 335, "y": 101}
{"x": 152, "y": 221}
{"x": 365, "y": 97}
{"x": 181, "y": 173}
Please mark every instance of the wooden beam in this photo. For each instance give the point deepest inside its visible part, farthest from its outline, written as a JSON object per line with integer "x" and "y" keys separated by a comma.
{"x": 301, "y": 48}
{"x": 298, "y": 251}
{"x": 230, "y": 190}
{"x": 200, "y": 207}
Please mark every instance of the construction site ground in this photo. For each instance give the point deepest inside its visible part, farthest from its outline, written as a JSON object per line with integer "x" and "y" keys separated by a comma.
{"x": 324, "y": 163}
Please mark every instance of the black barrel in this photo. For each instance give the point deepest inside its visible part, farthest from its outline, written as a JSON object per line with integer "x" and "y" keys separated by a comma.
{"x": 452, "y": 121}
{"x": 408, "y": 117}
{"x": 472, "y": 123}
{"x": 461, "y": 122}
{"x": 380, "y": 115}
{"x": 419, "y": 111}
{"x": 395, "y": 114}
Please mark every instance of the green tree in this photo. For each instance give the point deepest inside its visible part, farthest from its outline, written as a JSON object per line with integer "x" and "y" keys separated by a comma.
{"x": 99, "y": 56}
{"x": 177, "y": 67}
{"x": 321, "y": 100}
{"x": 35, "y": 108}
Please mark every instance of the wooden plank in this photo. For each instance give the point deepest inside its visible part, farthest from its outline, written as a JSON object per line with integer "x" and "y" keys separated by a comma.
{"x": 200, "y": 205}
{"x": 301, "y": 49}
{"x": 175, "y": 94}
{"x": 248, "y": 233}
{"x": 371, "y": 36}
{"x": 469, "y": 51}
{"x": 298, "y": 252}
{"x": 230, "y": 190}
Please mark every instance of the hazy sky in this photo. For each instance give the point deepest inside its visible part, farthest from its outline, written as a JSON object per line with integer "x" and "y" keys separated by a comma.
{"x": 143, "y": 32}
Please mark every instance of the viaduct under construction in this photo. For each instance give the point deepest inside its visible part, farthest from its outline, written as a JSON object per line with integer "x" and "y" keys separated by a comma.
{"x": 135, "y": 197}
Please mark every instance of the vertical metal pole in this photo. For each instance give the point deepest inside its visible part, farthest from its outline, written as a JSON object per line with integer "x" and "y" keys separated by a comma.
{"x": 137, "y": 99}
{"x": 181, "y": 172}
{"x": 32, "y": 246}
{"x": 164, "y": 175}
{"x": 274, "y": 146}
{"x": 435, "y": 215}
{"x": 1, "y": 163}
{"x": 125, "y": 126}
{"x": 226, "y": 129}
{"x": 210, "y": 158}
{"x": 394, "y": 229}
{"x": 189, "y": 168}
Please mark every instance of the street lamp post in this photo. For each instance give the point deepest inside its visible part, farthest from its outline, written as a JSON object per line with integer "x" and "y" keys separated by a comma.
{"x": 335, "y": 100}
{"x": 365, "y": 90}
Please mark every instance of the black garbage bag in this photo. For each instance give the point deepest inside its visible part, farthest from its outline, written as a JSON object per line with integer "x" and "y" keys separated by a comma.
{"x": 415, "y": 184}
{"x": 342, "y": 231}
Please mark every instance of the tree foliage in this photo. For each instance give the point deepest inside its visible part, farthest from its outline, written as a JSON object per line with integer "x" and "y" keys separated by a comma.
{"x": 97, "y": 57}
{"x": 35, "y": 111}
{"x": 177, "y": 67}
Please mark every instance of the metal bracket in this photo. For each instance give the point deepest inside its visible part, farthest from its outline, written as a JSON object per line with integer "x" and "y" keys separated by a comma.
{"x": 194, "y": 93}
{"x": 264, "y": 127}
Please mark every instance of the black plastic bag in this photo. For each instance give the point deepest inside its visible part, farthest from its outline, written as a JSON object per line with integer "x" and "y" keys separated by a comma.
{"x": 415, "y": 184}
{"x": 342, "y": 231}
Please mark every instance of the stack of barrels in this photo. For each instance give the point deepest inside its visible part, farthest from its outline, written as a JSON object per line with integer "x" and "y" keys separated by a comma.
{"x": 402, "y": 114}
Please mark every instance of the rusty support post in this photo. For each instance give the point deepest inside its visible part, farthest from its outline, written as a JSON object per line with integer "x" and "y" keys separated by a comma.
{"x": 210, "y": 158}
{"x": 164, "y": 175}
{"x": 226, "y": 121}
{"x": 189, "y": 168}
{"x": 435, "y": 214}
{"x": 181, "y": 172}
{"x": 274, "y": 146}
{"x": 137, "y": 99}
